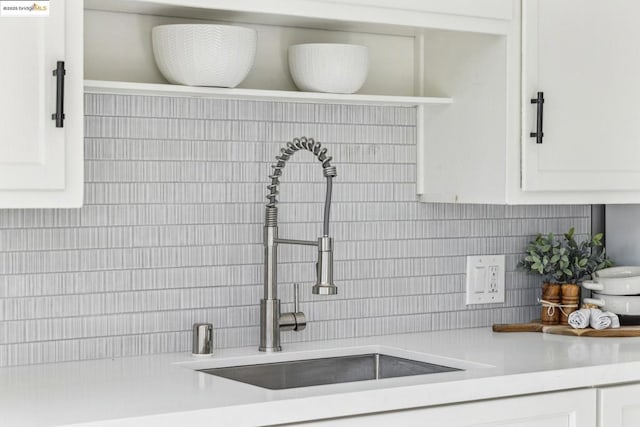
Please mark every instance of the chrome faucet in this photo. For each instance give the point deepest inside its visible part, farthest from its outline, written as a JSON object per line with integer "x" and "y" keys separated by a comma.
{"x": 271, "y": 320}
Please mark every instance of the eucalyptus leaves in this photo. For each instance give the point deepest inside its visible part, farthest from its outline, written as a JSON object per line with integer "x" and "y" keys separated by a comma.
{"x": 565, "y": 260}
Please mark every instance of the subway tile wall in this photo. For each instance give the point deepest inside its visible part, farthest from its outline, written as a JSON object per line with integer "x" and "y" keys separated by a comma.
{"x": 171, "y": 233}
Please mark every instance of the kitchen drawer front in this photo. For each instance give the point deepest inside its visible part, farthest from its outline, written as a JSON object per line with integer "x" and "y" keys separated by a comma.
{"x": 576, "y": 408}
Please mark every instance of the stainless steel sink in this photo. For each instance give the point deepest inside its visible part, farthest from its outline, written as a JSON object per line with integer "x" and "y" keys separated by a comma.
{"x": 332, "y": 370}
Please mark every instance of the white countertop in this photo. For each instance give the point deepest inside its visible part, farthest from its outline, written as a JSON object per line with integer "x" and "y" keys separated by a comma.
{"x": 165, "y": 390}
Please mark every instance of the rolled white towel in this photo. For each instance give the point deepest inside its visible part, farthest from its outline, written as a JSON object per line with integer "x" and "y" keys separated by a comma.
{"x": 615, "y": 321}
{"x": 599, "y": 320}
{"x": 579, "y": 319}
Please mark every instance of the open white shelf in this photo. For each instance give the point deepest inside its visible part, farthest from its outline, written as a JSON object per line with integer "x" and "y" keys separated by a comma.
{"x": 102, "y": 86}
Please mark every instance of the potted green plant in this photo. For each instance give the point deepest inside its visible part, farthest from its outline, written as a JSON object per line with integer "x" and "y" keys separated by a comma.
{"x": 562, "y": 263}
{"x": 585, "y": 257}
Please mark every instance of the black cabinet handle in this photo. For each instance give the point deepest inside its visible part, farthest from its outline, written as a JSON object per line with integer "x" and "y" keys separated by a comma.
{"x": 59, "y": 73}
{"x": 538, "y": 134}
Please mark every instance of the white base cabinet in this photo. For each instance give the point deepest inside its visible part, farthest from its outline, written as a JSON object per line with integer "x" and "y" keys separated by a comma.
{"x": 576, "y": 408}
{"x": 41, "y": 161}
{"x": 615, "y": 406}
{"x": 619, "y": 406}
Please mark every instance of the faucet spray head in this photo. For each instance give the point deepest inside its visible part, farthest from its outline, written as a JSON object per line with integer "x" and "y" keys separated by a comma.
{"x": 324, "y": 284}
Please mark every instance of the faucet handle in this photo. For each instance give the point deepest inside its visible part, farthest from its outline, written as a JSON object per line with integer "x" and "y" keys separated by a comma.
{"x": 301, "y": 319}
{"x": 296, "y": 320}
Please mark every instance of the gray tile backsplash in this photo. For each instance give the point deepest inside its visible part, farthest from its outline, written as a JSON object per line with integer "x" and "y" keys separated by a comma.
{"x": 172, "y": 226}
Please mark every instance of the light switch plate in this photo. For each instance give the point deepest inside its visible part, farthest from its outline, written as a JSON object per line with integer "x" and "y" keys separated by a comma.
{"x": 485, "y": 279}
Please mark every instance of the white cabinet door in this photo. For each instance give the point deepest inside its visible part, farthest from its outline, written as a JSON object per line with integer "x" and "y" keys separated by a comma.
{"x": 39, "y": 161}
{"x": 584, "y": 56}
{"x": 619, "y": 406}
{"x": 561, "y": 409}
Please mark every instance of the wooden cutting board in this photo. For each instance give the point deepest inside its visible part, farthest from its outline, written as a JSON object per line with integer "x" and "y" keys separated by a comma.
{"x": 624, "y": 331}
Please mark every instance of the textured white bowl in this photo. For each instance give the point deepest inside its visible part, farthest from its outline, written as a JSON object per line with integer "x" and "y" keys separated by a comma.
{"x": 624, "y": 280}
{"x": 329, "y": 67}
{"x": 618, "y": 304}
{"x": 203, "y": 54}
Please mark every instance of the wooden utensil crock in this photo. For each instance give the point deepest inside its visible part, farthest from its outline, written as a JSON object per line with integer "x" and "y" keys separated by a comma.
{"x": 550, "y": 293}
{"x": 570, "y": 301}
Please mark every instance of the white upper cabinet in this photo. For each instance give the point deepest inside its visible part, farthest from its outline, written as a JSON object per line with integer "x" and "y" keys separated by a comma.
{"x": 470, "y": 67}
{"x": 584, "y": 56}
{"x": 499, "y": 9}
{"x": 451, "y": 59}
{"x": 41, "y": 158}
{"x": 333, "y": 13}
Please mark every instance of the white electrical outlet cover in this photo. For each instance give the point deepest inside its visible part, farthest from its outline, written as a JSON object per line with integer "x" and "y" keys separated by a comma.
{"x": 485, "y": 279}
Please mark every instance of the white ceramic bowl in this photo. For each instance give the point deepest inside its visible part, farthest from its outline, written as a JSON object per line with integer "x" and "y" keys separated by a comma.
{"x": 204, "y": 54}
{"x": 618, "y": 304}
{"x": 329, "y": 67}
{"x": 623, "y": 280}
